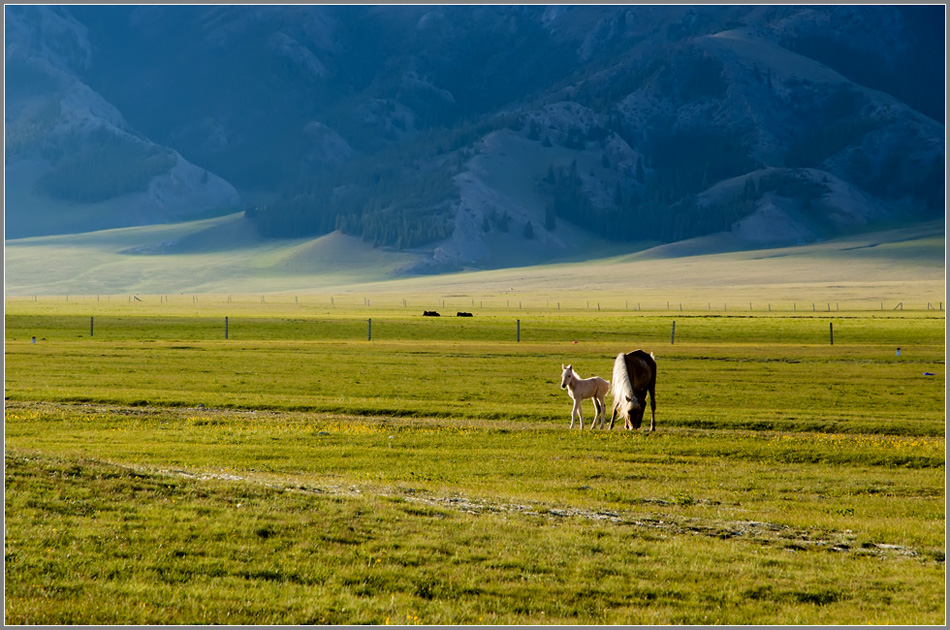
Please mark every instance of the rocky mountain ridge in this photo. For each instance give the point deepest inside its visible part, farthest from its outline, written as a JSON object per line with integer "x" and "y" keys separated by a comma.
{"x": 469, "y": 131}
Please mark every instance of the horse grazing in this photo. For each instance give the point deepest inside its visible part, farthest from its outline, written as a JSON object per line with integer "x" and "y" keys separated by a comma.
{"x": 634, "y": 375}
{"x": 581, "y": 388}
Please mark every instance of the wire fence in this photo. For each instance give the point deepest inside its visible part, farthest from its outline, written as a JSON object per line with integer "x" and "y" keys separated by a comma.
{"x": 453, "y": 304}
{"x": 654, "y": 329}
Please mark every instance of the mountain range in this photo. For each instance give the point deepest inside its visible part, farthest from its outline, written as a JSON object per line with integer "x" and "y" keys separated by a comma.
{"x": 463, "y": 133}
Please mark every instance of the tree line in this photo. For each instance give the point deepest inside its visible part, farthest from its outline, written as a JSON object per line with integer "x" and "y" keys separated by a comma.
{"x": 399, "y": 196}
{"x": 102, "y": 166}
{"x": 661, "y": 205}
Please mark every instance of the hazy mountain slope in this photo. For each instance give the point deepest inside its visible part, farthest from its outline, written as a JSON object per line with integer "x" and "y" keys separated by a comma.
{"x": 72, "y": 161}
{"x": 187, "y": 258}
{"x": 478, "y": 135}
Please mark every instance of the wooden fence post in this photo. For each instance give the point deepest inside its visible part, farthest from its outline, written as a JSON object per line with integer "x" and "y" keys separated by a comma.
{"x": 225, "y": 327}
{"x": 831, "y": 332}
{"x": 518, "y": 330}
{"x": 673, "y": 334}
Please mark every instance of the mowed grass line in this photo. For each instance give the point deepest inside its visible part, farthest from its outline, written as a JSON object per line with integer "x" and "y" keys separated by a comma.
{"x": 790, "y": 481}
{"x": 842, "y": 388}
{"x": 327, "y": 521}
{"x": 147, "y": 549}
{"x": 494, "y": 460}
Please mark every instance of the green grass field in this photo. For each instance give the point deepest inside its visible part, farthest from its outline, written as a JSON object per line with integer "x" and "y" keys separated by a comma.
{"x": 299, "y": 472}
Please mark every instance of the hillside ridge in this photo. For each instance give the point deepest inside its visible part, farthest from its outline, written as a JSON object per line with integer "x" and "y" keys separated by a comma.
{"x": 477, "y": 136}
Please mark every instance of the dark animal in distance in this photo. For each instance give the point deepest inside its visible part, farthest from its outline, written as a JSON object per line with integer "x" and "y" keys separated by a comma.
{"x": 431, "y": 314}
{"x": 634, "y": 375}
{"x": 463, "y": 314}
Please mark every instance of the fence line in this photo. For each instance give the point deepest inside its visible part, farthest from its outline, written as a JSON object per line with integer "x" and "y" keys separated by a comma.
{"x": 495, "y": 329}
{"x": 452, "y": 303}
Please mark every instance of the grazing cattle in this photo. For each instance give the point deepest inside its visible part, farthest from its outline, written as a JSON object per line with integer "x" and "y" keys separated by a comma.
{"x": 634, "y": 375}
{"x": 431, "y": 314}
{"x": 463, "y": 314}
{"x": 581, "y": 388}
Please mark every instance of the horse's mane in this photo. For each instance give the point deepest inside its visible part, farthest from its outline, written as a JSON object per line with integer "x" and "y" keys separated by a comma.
{"x": 620, "y": 387}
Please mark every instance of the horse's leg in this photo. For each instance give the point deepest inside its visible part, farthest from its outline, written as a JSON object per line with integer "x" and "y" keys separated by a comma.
{"x": 613, "y": 416}
{"x": 652, "y": 410}
{"x": 597, "y": 413}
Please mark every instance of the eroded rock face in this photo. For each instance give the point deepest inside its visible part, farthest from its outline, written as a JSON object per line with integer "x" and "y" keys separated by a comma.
{"x": 648, "y": 108}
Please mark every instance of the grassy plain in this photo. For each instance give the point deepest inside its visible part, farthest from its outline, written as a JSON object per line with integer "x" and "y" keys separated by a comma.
{"x": 895, "y": 266}
{"x": 299, "y": 472}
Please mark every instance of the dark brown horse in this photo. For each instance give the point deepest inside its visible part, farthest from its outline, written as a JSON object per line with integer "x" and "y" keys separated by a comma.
{"x": 634, "y": 375}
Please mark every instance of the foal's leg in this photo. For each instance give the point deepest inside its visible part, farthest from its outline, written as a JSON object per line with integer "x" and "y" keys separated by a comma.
{"x": 600, "y": 408}
{"x": 576, "y": 410}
